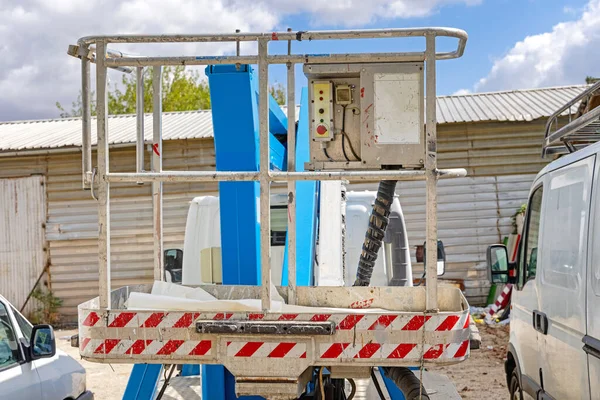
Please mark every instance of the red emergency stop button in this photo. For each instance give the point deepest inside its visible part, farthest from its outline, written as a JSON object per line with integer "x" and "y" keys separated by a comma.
{"x": 321, "y": 130}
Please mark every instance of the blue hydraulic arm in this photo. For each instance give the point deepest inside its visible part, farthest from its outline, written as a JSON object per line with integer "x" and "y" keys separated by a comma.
{"x": 234, "y": 103}
{"x": 306, "y": 206}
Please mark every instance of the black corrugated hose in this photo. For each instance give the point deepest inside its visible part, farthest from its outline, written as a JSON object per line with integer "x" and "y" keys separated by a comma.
{"x": 404, "y": 378}
{"x": 378, "y": 223}
{"x": 407, "y": 382}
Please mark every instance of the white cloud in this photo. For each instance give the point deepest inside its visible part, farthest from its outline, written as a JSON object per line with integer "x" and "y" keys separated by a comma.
{"x": 564, "y": 56}
{"x": 461, "y": 92}
{"x": 35, "y": 70}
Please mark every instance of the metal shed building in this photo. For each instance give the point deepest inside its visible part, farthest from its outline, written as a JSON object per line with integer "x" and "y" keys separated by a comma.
{"x": 48, "y": 224}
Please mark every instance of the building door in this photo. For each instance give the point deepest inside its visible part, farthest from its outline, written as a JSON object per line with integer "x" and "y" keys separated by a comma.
{"x": 22, "y": 237}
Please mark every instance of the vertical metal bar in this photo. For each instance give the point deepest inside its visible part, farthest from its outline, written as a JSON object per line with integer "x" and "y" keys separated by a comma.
{"x": 157, "y": 187}
{"x": 139, "y": 109}
{"x": 103, "y": 185}
{"x": 86, "y": 119}
{"x": 237, "y": 45}
{"x": 291, "y": 165}
{"x": 265, "y": 192}
{"x": 430, "y": 175}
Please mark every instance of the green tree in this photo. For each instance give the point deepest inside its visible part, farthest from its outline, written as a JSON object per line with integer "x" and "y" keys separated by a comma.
{"x": 591, "y": 80}
{"x": 278, "y": 93}
{"x": 182, "y": 90}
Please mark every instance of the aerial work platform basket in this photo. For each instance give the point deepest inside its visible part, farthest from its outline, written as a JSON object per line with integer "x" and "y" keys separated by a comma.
{"x": 271, "y": 350}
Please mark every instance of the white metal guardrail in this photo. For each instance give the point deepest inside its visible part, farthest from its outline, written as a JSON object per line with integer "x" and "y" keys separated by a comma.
{"x": 419, "y": 325}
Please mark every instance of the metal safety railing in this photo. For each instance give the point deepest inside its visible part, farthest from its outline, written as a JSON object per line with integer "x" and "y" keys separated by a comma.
{"x": 105, "y": 59}
{"x": 578, "y": 132}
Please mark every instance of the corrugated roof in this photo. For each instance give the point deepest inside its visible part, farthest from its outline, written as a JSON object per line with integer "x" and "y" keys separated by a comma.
{"x": 515, "y": 105}
{"x": 53, "y": 133}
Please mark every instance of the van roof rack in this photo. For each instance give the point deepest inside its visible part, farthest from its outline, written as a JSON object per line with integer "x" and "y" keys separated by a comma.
{"x": 580, "y": 132}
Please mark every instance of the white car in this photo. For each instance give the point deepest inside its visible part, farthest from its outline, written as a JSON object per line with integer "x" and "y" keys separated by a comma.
{"x": 31, "y": 368}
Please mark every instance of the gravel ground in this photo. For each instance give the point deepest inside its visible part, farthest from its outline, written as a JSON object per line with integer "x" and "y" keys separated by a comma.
{"x": 480, "y": 377}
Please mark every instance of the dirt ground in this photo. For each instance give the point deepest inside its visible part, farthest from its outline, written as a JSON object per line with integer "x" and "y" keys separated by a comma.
{"x": 480, "y": 377}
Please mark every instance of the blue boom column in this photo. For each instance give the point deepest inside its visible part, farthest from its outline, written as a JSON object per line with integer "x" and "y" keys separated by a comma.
{"x": 234, "y": 103}
{"x": 306, "y": 206}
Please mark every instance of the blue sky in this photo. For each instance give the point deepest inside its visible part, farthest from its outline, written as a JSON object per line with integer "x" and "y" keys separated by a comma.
{"x": 494, "y": 27}
{"x": 513, "y": 44}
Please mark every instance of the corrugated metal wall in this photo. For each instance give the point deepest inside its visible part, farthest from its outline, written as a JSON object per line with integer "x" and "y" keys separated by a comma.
{"x": 474, "y": 211}
{"x": 72, "y": 224}
{"x": 22, "y": 238}
{"x": 489, "y": 149}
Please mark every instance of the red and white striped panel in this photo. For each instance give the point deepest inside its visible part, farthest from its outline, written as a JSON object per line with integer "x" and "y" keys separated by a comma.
{"x": 361, "y": 322}
{"x": 145, "y": 347}
{"x": 398, "y": 351}
{"x": 344, "y": 322}
{"x": 502, "y": 300}
{"x": 266, "y": 349}
{"x": 131, "y": 319}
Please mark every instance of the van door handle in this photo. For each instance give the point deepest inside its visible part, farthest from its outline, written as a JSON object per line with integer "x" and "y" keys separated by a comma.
{"x": 540, "y": 322}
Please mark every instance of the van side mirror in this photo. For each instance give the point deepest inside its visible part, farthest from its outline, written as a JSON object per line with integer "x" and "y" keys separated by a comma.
{"x": 173, "y": 265}
{"x": 499, "y": 267}
{"x": 43, "y": 344}
{"x": 441, "y": 257}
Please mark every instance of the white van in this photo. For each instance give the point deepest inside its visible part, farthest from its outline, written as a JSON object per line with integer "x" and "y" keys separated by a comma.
{"x": 31, "y": 367}
{"x": 554, "y": 349}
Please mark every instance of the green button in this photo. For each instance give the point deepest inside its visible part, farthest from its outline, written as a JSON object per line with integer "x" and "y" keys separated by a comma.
{"x": 321, "y": 120}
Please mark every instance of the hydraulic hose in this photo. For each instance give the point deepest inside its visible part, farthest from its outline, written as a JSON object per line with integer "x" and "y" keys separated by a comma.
{"x": 378, "y": 223}
{"x": 403, "y": 377}
{"x": 407, "y": 382}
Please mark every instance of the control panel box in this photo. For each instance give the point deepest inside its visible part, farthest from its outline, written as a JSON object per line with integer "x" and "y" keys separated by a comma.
{"x": 366, "y": 116}
{"x": 322, "y": 111}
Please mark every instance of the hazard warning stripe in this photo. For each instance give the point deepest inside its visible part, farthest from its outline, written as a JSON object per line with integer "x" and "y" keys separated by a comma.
{"x": 393, "y": 351}
{"x": 382, "y": 322}
{"x": 91, "y": 319}
{"x": 84, "y": 343}
{"x": 402, "y": 350}
{"x": 344, "y": 322}
{"x": 448, "y": 323}
{"x": 502, "y": 299}
{"x": 350, "y": 321}
{"x": 335, "y": 350}
{"x": 146, "y": 347}
{"x": 266, "y": 349}
{"x": 368, "y": 350}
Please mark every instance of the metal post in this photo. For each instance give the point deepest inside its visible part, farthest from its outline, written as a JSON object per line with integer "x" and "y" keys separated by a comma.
{"x": 291, "y": 165}
{"x": 86, "y": 116}
{"x": 103, "y": 185}
{"x": 431, "y": 175}
{"x": 139, "y": 107}
{"x": 265, "y": 192}
{"x": 157, "y": 187}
